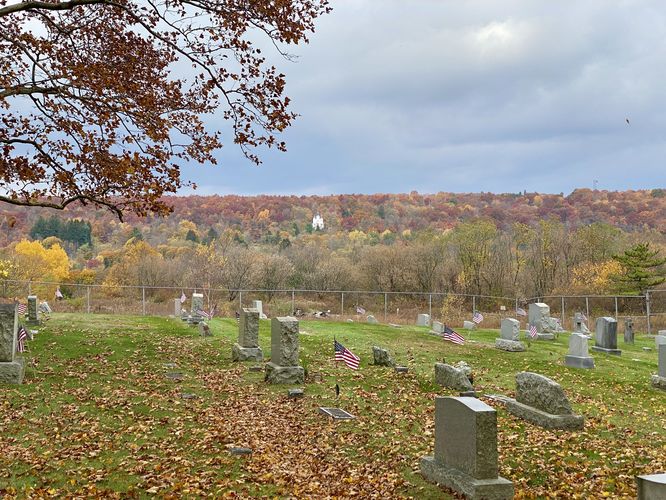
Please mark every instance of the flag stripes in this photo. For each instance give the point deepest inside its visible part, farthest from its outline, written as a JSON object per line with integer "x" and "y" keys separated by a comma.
{"x": 346, "y": 356}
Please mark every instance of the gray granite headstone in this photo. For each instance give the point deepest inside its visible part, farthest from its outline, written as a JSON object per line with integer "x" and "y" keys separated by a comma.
{"x": 12, "y": 367}
{"x": 537, "y": 316}
{"x": 382, "y": 357}
{"x": 423, "y": 320}
{"x": 372, "y": 320}
{"x": 33, "y": 312}
{"x": 659, "y": 380}
{"x": 284, "y": 367}
{"x": 469, "y": 325}
{"x": 628, "y": 331}
{"x": 204, "y": 329}
{"x": 452, "y": 377}
{"x": 177, "y": 307}
{"x": 197, "y": 305}
{"x": 510, "y": 329}
{"x": 247, "y": 348}
{"x": 605, "y": 337}
{"x": 437, "y": 327}
{"x": 578, "y": 356}
{"x": 579, "y": 323}
{"x": 659, "y": 340}
{"x": 651, "y": 487}
{"x": 466, "y": 458}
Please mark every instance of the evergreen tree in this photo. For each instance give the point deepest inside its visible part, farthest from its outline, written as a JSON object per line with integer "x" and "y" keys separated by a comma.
{"x": 643, "y": 269}
{"x": 191, "y": 236}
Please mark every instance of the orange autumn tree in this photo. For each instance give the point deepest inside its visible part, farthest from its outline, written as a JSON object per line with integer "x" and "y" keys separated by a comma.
{"x": 101, "y": 100}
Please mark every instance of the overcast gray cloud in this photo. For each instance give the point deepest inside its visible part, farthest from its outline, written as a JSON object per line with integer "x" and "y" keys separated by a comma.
{"x": 480, "y": 95}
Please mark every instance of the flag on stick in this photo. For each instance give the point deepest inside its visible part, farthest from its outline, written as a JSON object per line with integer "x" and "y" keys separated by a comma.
{"x": 478, "y": 317}
{"x": 182, "y": 298}
{"x": 520, "y": 311}
{"x": 533, "y": 331}
{"x": 22, "y": 308}
{"x": 583, "y": 317}
{"x": 453, "y": 336}
{"x": 345, "y": 355}
{"x": 58, "y": 293}
{"x": 22, "y": 336}
{"x": 205, "y": 314}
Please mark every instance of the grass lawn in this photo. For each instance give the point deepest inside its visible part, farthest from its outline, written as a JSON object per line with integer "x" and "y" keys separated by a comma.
{"x": 97, "y": 415}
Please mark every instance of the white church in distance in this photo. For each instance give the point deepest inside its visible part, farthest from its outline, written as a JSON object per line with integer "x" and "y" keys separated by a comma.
{"x": 318, "y": 222}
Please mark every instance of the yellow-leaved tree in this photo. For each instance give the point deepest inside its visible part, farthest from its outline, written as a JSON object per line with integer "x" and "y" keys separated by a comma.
{"x": 33, "y": 262}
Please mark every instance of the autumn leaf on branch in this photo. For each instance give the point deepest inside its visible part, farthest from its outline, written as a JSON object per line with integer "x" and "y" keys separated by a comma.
{"x": 93, "y": 110}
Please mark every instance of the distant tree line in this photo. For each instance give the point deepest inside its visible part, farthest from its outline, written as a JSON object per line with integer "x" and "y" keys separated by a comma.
{"x": 75, "y": 231}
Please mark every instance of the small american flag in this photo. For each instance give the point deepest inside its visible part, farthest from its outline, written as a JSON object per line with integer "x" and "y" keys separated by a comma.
{"x": 345, "y": 355}
{"x": 58, "y": 294}
{"x": 205, "y": 314}
{"x": 453, "y": 336}
{"x": 583, "y": 317}
{"x": 182, "y": 297}
{"x": 22, "y": 308}
{"x": 533, "y": 331}
{"x": 478, "y": 317}
{"x": 520, "y": 311}
{"x": 360, "y": 310}
{"x": 22, "y": 336}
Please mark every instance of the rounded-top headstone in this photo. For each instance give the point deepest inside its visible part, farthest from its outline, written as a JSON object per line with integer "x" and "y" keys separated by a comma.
{"x": 542, "y": 393}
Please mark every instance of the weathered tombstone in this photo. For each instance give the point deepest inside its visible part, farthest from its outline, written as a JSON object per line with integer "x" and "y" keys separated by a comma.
{"x": 372, "y": 320}
{"x": 204, "y": 329}
{"x": 177, "y": 307}
{"x": 465, "y": 457}
{"x": 437, "y": 327}
{"x": 659, "y": 340}
{"x": 452, "y": 377}
{"x": 605, "y": 337}
{"x": 423, "y": 320}
{"x": 259, "y": 306}
{"x": 659, "y": 380}
{"x": 509, "y": 335}
{"x": 12, "y": 367}
{"x": 542, "y": 401}
{"x": 651, "y": 487}
{"x": 539, "y": 316}
{"x": 44, "y": 307}
{"x": 469, "y": 325}
{"x": 284, "y": 368}
{"x": 247, "y": 348}
{"x": 628, "y": 331}
{"x": 382, "y": 357}
{"x": 579, "y": 325}
{"x": 578, "y": 356}
{"x": 197, "y": 305}
{"x": 33, "y": 313}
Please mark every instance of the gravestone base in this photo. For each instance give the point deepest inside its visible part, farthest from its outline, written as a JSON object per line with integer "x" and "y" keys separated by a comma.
{"x": 239, "y": 353}
{"x": 543, "y": 419}
{"x": 12, "y": 372}
{"x": 614, "y": 352}
{"x": 509, "y": 345}
{"x": 659, "y": 382}
{"x": 545, "y": 336}
{"x": 276, "y": 374}
{"x": 491, "y": 489}
{"x": 579, "y": 361}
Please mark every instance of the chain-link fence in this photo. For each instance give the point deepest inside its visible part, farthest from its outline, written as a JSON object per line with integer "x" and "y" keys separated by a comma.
{"x": 648, "y": 312}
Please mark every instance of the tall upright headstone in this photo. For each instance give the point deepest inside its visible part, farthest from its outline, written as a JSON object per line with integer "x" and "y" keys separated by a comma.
{"x": 12, "y": 367}
{"x": 659, "y": 380}
{"x": 539, "y": 316}
{"x": 509, "y": 336}
{"x": 247, "y": 348}
{"x": 466, "y": 458}
{"x": 177, "y": 307}
{"x": 284, "y": 367}
{"x": 605, "y": 337}
{"x": 197, "y": 305}
{"x": 578, "y": 356}
{"x": 628, "y": 331}
{"x": 579, "y": 324}
{"x": 33, "y": 312}
{"x": 259, "y": 306}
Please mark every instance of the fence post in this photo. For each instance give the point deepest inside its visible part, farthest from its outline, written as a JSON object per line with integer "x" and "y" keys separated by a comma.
{"x": 473, "y": 304}
{"x": 647, "y": 311}
{"x": 385, "y": 307}
{"x": 88, "y": 299}
{"x": 143, "y": 300}
{"x": 342, "y": 303}
{"x": 293, "y": 301}
{"x": 29, "y": 287}
{"x": 240, "y": 301}
{"x": 616, "y": 308}
{"x": 562, "y": 313}
{"x": 587, "y": 308}
{"x": 430, "y": 306}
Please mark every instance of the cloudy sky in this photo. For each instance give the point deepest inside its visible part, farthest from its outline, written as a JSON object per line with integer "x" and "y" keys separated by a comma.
{"x": 473, "y": 95}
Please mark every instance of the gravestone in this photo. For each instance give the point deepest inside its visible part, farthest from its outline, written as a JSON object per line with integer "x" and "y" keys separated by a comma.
{"x": 204, "y": 329}
{"x": 539, "y": 316}
{"x": 247, "y": 348}
{"x": 33, "y": 312}
{"x": 452, "y": 377}
{"x": 465, "y": 458}
{"x": 177, "y": 307}
{"x": 578, "y": 356}
{"x": 382, "y": 357}
{"x": 659, "y": 340}
{"x": 651, "y": 487}
{"x": 372, "y": 320}
{"x": 437, "y": 327}
{"x": 197, "y": 305}
{"x": 542, "y": 401}
{"x": 509, "y": 335}
{"x": 659, "y": 380}
{"x": 259, "y": 306}
{"x": 605, "y": 337}
{"x": 45, "y": 308}
{"x": 284, "y": 367}
{"x": 469, "y": 325}
{"x": 12, "y": 367}
{"x": 579, "y": 324}
{"x": 423, "y": 320}
{"x": 628, "y": 331}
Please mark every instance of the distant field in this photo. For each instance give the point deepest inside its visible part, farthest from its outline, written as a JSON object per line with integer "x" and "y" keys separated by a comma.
{"x": 98, "y": 416}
